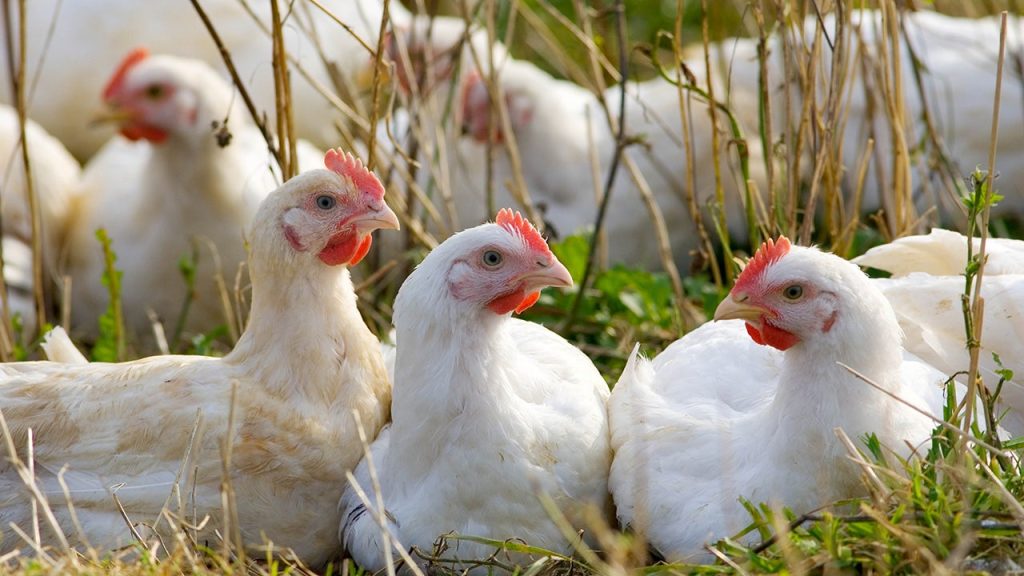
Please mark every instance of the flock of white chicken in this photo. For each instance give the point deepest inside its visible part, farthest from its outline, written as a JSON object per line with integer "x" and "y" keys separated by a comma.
{"x": 477, "y": 423}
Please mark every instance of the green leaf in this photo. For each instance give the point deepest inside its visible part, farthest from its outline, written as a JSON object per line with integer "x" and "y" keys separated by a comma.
{"x": 109, "y": 346}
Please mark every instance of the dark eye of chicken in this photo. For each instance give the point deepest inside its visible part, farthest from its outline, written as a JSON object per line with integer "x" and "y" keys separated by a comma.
{"x": 325, "y": 202}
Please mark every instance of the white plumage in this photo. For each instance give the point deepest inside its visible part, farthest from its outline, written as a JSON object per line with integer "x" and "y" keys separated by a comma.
{"x": 925, "y": 291}
{"x": 489, "y": 411}
{"x": 58, "y": 347}
{"x": 943, "y": 253}
{"x": 957, "y": 63}
{"x": 90, "y": 35}
{"x": 716, "y": 417}
{"x": 173, "y": 189}
{"x": 55, "y": 176}
{"x": 305, "y": 363}
{"x": 566, "y": 147}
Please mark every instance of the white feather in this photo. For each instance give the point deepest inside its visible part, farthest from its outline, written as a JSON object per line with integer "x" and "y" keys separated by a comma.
{"x": 160, "y": 201}
{"x": 488, "y": 412}
{"x": 304, "y": 365}
{"x": 89, "y": 39}
{"x": 716, "y": 417}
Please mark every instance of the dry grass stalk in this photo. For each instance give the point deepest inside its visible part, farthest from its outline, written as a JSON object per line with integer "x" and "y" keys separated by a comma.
{"x": 350, "y": 114}
{"x": 283, "y": 99}
{"x": 38, "y": 286}
{"x": 892, "y": 78}
{"x": 29, "y": 480}
{"x": 225, "y": 54}
{"x": 620, "y": 147}
{"x": 705, "y": 246}
{"x": 857, "y": 458}
{"x": 376, "y": 509}
{"x": 977, "y": 302}
{"x": 965, "y": 436}
{"x": 718, "y": 207}
{"x": 230, "y": 529}
{"x": 378, "y": 73}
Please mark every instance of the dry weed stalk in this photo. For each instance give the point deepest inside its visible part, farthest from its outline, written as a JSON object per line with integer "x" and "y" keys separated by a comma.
{"x": 977, "y": 301}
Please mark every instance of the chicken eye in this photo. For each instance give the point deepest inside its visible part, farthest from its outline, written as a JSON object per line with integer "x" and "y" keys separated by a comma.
{"x": 492, "y": 258}
{"x": 154, "y": 91}
{"x": 325, "y": 202}
{"x": 793, "y": 292}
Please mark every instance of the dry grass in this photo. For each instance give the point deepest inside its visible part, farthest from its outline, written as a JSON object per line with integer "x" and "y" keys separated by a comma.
{"x": 957, "y": 505}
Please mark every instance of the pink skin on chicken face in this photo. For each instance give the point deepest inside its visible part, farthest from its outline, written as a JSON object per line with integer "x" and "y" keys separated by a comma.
{"x": 507, "y": 276}
{"x": 146, "y": 105}
{"x": 352, "y": 217}
{"x": 779, "y": 312}
{"x": 506, "y": 280}
{"x": 759, "y": 319}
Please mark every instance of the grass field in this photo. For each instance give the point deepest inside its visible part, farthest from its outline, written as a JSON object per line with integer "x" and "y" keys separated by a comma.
{"x": 956, "y": 509}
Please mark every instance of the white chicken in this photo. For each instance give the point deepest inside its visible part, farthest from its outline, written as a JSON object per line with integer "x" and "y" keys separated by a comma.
{"x": 55, "y": 176}
{"x": 435, "y": 52}
{"x": 58, "y": 347}
{"x": 488, "y": 410}
{"x": 565, "y": 144}
{"x": 87, "y": 34}
{"x": 925, "y": 291}
{"x": 943, "y": 253}
{"x": 430, "y": 55}
{"x": 716, "y": 417}
{"x": 172, "y": 184}
{"x": 957, "y": 63}
{"x": 304, "y": 365}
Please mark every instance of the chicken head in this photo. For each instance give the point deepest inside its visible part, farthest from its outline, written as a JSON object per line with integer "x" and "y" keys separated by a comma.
{"x": 502, "y": 266}
{"x": 783, "y": 300}
{"x": 155, "y": 97}
{"x": 330, "y": 213}
{"x": 477, "y": 117}
{"x": 428, "y": 51}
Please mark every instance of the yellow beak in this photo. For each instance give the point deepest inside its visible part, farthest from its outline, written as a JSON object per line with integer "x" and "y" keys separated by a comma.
{"x": 111, "y": 116}
{"x": 730, "y": 309}
{"x": 551, "y": 274}
{"x": 381, "y": 219}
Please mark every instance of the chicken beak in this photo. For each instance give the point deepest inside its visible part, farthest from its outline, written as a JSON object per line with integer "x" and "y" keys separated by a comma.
{"x": 382, "y": 218}
{"x": 111, "y": 116}
{"x": 738, "y": 308}
{"x": 551, "y": 273}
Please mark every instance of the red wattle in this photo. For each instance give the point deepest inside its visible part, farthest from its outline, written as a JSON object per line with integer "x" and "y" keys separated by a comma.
{"x": 361, "y": 251}
{"x": 508, "y": 302}
{"x": 755, "y": 335}
{"x": 340, "y": 249}
{"x": 769, "y": 335}
{"x": 778, "y": 338}
{"x": 530, "y": 300}
{"x": 137, "y": 131}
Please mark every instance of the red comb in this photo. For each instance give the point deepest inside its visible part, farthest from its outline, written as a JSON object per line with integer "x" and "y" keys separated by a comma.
{"x": 133, "y": 58}
{"x": 472, "y": 79}
{"x": 514, "y": 222}
{"x": 768, "y": 254}
{"x": 348, "y": 166}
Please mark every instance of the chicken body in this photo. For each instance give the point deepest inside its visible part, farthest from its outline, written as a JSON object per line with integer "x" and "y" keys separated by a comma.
{"x": 153, "y": 432}
{"x": 489, "y": 411}
{"x": 925, "y": 291}
{"x": 173, "y": 191}
{"x": 55, "y": 176}
{"x": 566, "y": 147}
{"x": 717, "y": 416}
{"x": 89, "y": 36}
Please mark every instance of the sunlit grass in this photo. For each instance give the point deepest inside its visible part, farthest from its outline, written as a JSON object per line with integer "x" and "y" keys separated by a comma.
{"x": 955, "y": 507}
